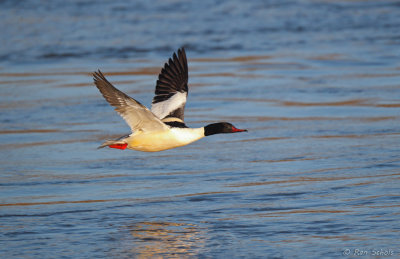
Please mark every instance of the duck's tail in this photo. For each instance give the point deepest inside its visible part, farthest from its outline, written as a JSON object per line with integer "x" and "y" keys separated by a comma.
{"x": 114, "y": 144}
{"x": 119, "y": 143}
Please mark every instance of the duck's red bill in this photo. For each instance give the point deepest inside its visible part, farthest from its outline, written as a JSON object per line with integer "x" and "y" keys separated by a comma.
{"x": 237, "y": 130}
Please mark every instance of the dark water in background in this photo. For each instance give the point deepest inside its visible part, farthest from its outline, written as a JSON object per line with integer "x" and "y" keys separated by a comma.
{"x": 317, "y": 83}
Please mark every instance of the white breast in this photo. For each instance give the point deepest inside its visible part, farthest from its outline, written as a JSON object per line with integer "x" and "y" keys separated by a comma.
{"x": 187, "y": 135}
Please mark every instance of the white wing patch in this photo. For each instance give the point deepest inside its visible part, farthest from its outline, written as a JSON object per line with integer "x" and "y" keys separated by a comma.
{"x": 162, "y": 109}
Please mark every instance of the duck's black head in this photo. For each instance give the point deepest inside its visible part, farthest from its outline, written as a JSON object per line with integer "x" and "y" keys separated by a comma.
{"x": 220, "y": 127}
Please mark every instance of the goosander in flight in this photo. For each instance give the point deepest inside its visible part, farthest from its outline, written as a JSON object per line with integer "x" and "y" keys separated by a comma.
{"x": 163, "y": 127}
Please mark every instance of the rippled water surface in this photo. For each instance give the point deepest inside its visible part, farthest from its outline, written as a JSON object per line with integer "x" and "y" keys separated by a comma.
{"x": 316, "y": 83}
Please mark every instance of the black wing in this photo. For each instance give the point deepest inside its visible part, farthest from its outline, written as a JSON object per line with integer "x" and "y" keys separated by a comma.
{"x": 172, "y": 88}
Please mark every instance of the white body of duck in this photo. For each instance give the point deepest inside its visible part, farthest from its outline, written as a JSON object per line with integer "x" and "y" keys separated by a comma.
{"x": 163, "y": 127}
{"x": 162, "y": 140}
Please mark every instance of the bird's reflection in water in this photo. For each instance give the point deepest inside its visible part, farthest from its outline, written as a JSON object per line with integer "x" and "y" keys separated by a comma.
{"x": 160, "y": 239}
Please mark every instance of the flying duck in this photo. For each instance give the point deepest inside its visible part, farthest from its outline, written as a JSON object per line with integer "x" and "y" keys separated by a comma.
{"x": 162, "y": 127}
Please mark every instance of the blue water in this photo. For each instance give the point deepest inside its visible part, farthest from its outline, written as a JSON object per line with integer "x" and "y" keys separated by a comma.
{"x": 316, "y": 83}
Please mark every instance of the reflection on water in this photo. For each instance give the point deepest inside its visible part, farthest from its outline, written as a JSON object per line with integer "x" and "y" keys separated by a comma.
{"x": 160, "y": 239}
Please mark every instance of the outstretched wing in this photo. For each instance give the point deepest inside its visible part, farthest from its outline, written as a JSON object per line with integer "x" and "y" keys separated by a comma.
{"x": 136, "y": 115}
{"x": 172, "y": 88}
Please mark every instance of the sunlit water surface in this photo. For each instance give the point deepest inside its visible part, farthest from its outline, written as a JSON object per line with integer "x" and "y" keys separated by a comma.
{"x": 316, "y": 83}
